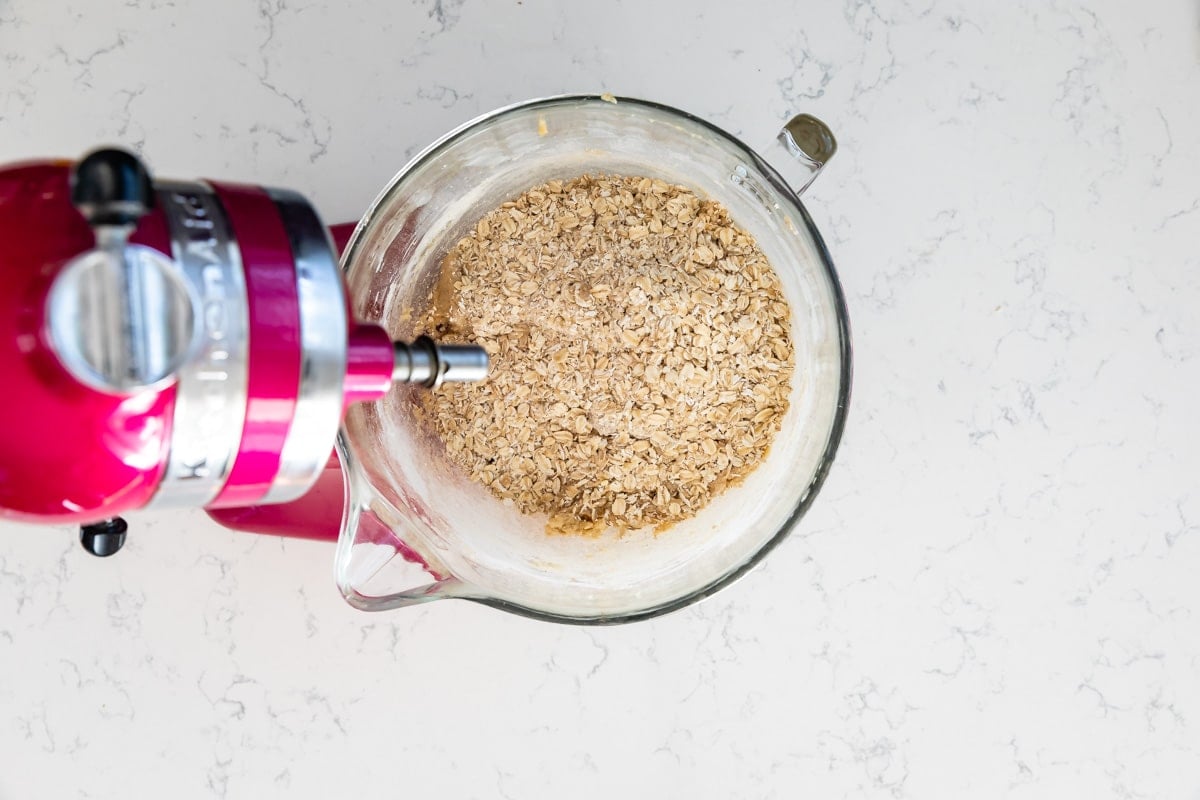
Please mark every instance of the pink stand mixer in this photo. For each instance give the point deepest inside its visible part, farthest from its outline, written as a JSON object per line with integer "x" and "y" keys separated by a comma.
{"x": 176, "y": 345}
{"x": 195, "y": 344}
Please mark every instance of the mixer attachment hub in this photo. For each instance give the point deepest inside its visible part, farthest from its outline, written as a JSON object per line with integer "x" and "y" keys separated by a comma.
{"x": 429, "y": 364}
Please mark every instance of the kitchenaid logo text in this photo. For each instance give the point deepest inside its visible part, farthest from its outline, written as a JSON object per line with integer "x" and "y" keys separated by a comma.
{"x": 205, "y": 393}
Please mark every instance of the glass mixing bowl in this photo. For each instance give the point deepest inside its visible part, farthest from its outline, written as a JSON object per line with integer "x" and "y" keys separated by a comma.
{"x": 416, "y": 528}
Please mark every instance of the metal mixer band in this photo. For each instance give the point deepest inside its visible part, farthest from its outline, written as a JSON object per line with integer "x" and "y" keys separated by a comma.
{"x": 260, "y": 402}
{"x": 211, "y": 387}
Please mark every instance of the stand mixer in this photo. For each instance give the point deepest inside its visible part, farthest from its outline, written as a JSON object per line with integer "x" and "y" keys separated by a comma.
{"x": 193, "y": 344}
{"x": 176, "y": 344}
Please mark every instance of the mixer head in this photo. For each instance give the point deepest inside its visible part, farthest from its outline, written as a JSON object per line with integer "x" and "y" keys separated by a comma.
{"x": 177, "y": 344}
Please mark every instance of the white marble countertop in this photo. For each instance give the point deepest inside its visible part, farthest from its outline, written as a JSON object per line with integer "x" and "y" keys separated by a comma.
{"x": 996, "y": 594}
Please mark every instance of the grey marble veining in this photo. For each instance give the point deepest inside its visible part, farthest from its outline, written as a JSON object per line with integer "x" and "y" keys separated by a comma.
{"x": 996, "y": 593}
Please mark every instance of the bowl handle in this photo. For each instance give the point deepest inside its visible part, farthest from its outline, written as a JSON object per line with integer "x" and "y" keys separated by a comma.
{"x": 802, "y": 148}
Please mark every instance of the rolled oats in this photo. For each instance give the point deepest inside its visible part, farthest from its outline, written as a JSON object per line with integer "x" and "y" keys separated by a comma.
{"x": 640, "y": 353}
